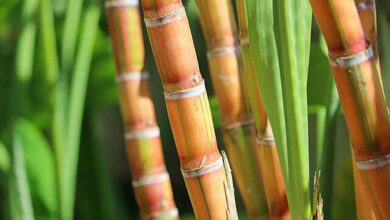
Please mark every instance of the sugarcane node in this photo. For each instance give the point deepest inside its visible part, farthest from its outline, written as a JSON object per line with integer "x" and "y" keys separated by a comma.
{"x": 352, "y": 59}
{"x": 160, "y": 215}
{"x": 163, "y": 20}
{"x": 150, "y": 180}
{"x": 120, "y": 3}
{"x": 373, "y": 163}
{"x": 201, "y": 171}
{"x": 132, "y": 76}
{"x": 186, "y": 93}
{"x": 222, "y": 51}
{"x": 147, "y": 133}
{"x": 265, "y": 141}
{"x": 366, "y": 5}
{"x": 236, "y": 125}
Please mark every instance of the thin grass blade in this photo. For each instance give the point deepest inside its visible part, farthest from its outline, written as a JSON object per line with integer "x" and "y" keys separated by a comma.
{"x": 76, "y": 103}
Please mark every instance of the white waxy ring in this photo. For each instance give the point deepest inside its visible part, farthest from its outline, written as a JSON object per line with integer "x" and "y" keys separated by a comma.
{"x": 366, "y": 5}
{"x": 120, "y": 3}
{"x": 150, "y": 180}
{"x": 351, "y": 60}
{"x": 239, "y": 124}
{"x": 147, "y": 133}
{"x": 265, "y": 141}
{"x": 187, "y": 93}
{"x": 155, "y": 22}
{"x": 374, "y": 163}
{"x": 204, "y": 170}
{"x": 223, "y": 50}
{"x": 130, "y": 76}
{"x": 156, "y": 215}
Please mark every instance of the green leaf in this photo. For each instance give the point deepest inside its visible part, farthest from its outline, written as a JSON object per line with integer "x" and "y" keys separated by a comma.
{"x": 5, "y": 160}
{"x": 40, "y": 168}
{"x": 321, "y": 88}
{"x": 317, "y": 114}
{"x": 263, "y": 46}
{"x": 26, "y": 42}
{"x": 384, "y": 51}
{"x": 19, "y": 191}
{"x": 215, "y": 111}
{"x": 76, "y": 105}
{"x": 279, "y": 32}
{"x": 49, "y": 45}
{"x": 69, "y": 38}
{"x": 322, "y": 91}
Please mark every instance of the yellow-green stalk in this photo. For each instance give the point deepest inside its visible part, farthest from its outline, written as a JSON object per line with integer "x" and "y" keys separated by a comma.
{"x": 151, "y": 183}
{"x": 267, "y": 152}
{"x": 238, "y": 127}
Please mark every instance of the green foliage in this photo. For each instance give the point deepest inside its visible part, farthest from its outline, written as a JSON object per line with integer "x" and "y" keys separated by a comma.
{"x": 215, "y": 111}
{"x": 26, "y": 47}
{"x": 76, "y": 103}
{"x": 4, "y": 159}
{"x": 19, "y": 190}
{"x": 40, "y": 169}
{"x": 37, "y": 63}
{"x": 279, "y": 33}
{"x": 49, "y": 42}
{"x": 322, "y": 93}
{"x": 384, "y": 50}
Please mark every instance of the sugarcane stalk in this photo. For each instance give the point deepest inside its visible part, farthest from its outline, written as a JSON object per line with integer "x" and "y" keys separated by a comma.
{"x": 364, "y": 209}
{"x": 367, "y": 14}
{"x": 188, "y": 108}
{"x": 357, "y": 77}
{"x": 268, "y": 158}
{"x": 151, "y": 183}
{"x": 220, "y": 30}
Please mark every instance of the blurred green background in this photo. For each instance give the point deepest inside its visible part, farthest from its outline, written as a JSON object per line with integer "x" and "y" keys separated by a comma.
{"x": 57, "y": 86}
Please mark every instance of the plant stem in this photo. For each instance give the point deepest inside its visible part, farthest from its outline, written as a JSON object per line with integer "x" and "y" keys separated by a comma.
{"x": 220, "y": 30}
{"x": 364, "y": 209}
{"x": 151, "y": 182}
{"x": 361, "y": 95}
{"x": 188, "y": 107}
{"x": 267, "y": 152}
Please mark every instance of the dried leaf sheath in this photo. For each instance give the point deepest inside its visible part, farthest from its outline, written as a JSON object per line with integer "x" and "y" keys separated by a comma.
{"x": 267, "y": 152}
{"x": 219, "y": 28}
{"x": 150, "y": 180}
{"x": 361, "y": 95}
{"x": 188, "y": 107}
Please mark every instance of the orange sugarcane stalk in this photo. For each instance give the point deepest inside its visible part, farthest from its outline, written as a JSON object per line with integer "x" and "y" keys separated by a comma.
{"x": 358, "y": 81}
{"x": 220, "y": 30}
{"x": 188, "y": 109}
{"x": 367, "y": 14}
{"x": 364, "y": 209}
{"x": 267, "y": 153}
{"x": 151, "y": 183}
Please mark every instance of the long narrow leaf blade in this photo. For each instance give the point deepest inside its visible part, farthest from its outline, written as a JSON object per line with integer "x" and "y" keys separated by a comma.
{"x": 279, "y": 32}
{"x": 76, "y": 103}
